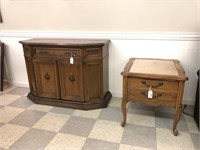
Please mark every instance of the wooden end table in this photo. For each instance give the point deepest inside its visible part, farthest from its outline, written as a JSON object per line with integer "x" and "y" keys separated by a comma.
{"x": 154, "y": 82}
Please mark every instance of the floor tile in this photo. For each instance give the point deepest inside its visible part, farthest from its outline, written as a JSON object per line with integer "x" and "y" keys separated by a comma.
{"x": 19, "y": 91}
{"x": 166, "y": 140}
{"x": 9, "y": 134}
{"x": 34, "y": 139}
{"x": 111, "y": 113}
{"x": 61, "y": 110}
{"x": 22, "y": 102}
{"x": 39, "y": 107}
{"x": 94, "y": 144}
{"x": 1, "y": 124}
{"x": 162, "y": 109}
{"x": 140, "y": 136}
{"x": 141, "y": 117}
{"x": 66, "y": 142}
{"x": 139, "y": 106}
{"x": 27, "y": 118}
{"x": 189, "y": 109}
{"x": 7, "y": 89}
{"x": 8, "y": 113}
{"x": 6, "y": 99}
{"x": 115, "y": 102}
{"x": 88, "y": 114}
{"x": 129, "y": 147}
{"x": 147, "y": 128}
{"x": 196, "y": 140}
{"x": 78, "y": 126}
{"x": 165, "y": 120}
{"x": 107, "y": 131}
{"x": 52, "y": 122}
{"x": 191, "y": 124}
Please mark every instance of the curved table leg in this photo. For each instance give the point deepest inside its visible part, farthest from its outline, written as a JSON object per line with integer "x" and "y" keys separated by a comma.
{"x": 176, "y": 120}
{"x": 123, "y": 109}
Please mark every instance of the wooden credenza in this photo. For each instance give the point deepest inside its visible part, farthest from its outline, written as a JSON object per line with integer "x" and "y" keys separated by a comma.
{"x": 154, "y": 82}
{"x": 67, "y": 72}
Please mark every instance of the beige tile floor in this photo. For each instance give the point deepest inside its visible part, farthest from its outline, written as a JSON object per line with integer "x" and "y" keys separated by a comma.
{"x": 28, "y": 126}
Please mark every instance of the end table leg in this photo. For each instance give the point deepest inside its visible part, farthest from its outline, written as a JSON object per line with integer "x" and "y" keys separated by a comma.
{"x": 176, "y": 120}
{"x": 123, "y": 109}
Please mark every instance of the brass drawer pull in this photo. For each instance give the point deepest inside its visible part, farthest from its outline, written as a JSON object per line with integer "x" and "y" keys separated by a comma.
{"x": 154, "y": 97}
{"x": 152, "y": 86}
{"x": 73, "y": 54}
{"x": 71, "y": 78}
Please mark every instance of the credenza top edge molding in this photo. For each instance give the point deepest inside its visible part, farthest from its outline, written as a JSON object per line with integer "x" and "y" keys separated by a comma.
{"x": 103, "y": 35}
{"x": 64, "y": 42}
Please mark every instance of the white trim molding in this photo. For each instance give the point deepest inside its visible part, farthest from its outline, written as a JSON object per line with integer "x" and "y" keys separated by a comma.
{"x": 103, "y": 35}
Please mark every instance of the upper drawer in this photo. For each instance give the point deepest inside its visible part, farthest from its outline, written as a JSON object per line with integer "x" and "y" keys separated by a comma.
{"x": 94, "y": 52}
{"x": 156, "y": 85}
{"x": 65, "y": 52}
{"x": 69, "y": 52}
{"x": 44, "y": 52}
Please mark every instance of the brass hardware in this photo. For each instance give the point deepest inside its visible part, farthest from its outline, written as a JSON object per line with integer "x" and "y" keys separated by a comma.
{"x": 73, "y": 54}
{"x": 47, "y": 76}
{"x": 154, "y": 97}
{"x": 71, "y": 78}
{"x": 153, "y": 86}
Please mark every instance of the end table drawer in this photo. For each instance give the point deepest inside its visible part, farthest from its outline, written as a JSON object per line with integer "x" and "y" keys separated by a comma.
{"x": 158, "y": 97}
{"x": 144, "y": 84}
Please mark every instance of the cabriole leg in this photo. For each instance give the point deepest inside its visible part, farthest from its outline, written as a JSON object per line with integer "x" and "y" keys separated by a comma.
{"x": 123, "y": 109}
{"x": 176, "y": 120}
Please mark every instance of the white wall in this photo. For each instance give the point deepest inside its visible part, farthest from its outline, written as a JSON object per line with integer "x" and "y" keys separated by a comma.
{"x": 101, "y": 15}
{"x": 185, "y": 48}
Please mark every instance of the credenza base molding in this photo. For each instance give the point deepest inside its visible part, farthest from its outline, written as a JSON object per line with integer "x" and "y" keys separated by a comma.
{"x": 71, "y": 104}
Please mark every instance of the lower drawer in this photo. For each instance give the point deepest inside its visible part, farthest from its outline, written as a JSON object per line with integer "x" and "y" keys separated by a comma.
{"x": 159, "y": 98}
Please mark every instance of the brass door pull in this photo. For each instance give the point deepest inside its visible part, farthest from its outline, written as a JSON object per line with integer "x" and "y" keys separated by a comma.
{"x": 71, "y": 78}
{"x": 47, "y": 76}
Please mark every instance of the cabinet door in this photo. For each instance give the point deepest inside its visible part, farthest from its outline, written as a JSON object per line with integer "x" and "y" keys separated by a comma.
{"x": 94, "y": 81}
{"x": 46, "y": 78}
{"x": 71, "y": 80}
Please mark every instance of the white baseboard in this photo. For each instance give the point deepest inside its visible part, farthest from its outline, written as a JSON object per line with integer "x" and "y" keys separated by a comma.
{"x": 188, "y": 101}
{"x": 20, "y": 84}
{"x": 116, "y": 94}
